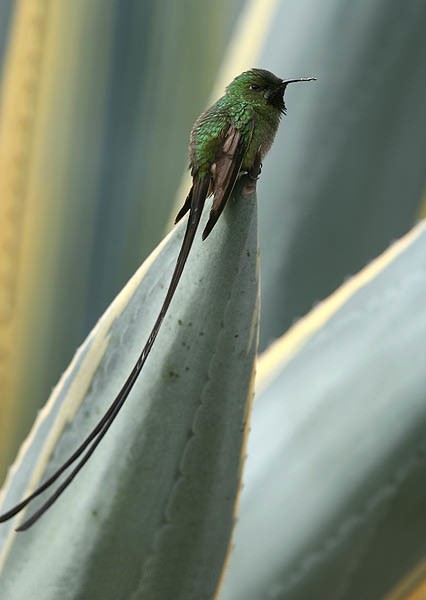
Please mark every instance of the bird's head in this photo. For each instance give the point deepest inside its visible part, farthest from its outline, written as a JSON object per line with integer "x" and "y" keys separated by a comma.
{"x": 261, "y": 88}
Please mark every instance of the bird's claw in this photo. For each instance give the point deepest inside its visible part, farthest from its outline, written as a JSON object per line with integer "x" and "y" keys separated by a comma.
{"x": 255, "y": 171}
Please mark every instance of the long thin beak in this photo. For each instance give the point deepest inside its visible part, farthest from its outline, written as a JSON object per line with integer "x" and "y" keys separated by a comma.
{"x": 287, "y": 81}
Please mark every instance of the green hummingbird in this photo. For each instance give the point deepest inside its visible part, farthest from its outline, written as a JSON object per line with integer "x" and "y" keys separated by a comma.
{"x": 228, "y": 140}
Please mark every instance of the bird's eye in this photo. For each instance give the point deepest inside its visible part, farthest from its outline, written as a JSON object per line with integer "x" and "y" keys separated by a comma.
{"x": 255, "y": 87}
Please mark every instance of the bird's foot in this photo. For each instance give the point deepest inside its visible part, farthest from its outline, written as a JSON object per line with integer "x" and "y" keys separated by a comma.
{"x": 255, "y": 172}
{"x": 252, "y": 176}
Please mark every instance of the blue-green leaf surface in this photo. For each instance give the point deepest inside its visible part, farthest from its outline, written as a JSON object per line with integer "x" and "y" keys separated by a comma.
{"x": 150, "y": 516}
{"x": 335, "y": 488}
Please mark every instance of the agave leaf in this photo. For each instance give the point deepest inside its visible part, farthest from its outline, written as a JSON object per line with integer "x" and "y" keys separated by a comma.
{"x": 151, "y": 514}
{"x": 335, "y": 484}
{"x": 346, "y": 173}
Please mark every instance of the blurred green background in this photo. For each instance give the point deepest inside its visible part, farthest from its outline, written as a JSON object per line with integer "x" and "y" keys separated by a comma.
{"x": 97, "y": 101}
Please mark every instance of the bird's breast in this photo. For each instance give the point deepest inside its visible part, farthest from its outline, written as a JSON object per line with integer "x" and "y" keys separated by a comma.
{"x": 261, "y": 141}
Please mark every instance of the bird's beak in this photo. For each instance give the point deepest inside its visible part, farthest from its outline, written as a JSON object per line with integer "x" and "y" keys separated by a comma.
{"x": 285, "y": 82}
{"x": 276, "y": 94}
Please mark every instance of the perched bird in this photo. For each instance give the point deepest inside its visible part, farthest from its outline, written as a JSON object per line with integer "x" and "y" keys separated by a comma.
{"x": 227, "y": 140}
{"x": 228, "y": 137}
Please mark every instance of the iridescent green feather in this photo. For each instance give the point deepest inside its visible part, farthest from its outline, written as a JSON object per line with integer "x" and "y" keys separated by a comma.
{"x": 240, "y": 106}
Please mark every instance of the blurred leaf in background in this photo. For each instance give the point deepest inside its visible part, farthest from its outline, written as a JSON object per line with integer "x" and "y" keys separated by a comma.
{"x": 6, "y": 7}
{"x": 334, "y": 500}
{"x": 347, "y": 171}
{"x": 98, "y": 101}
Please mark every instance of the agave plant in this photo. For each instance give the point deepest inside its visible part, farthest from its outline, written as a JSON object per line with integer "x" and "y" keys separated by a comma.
{"x": 332, "y": 506}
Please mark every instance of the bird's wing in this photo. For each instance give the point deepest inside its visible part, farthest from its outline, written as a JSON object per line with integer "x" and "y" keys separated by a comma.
{"x": 227, "y": 166}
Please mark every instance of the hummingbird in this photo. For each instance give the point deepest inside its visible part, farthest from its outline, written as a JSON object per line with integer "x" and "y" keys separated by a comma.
{"x": 228, "y": 140}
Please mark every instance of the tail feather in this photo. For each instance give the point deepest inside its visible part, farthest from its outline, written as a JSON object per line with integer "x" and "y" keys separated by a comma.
{"x": 186, "y": 206}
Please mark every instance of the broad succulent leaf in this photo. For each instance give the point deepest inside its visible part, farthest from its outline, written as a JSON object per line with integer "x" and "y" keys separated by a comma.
{"x": 335, "y": 486}
{"x": 150, "y": 516}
